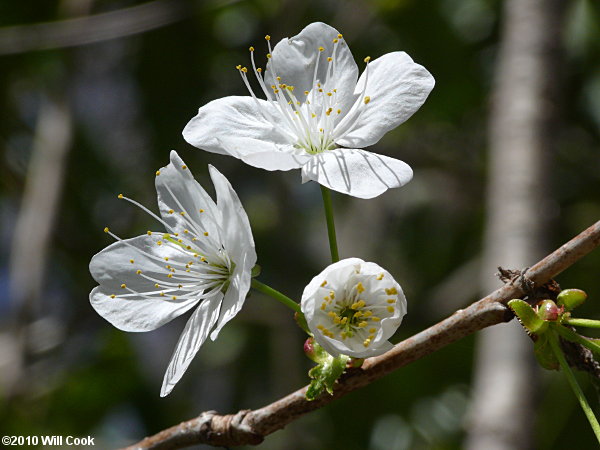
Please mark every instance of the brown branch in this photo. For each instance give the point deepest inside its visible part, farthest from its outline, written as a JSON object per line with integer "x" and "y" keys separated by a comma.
{"x": 250, "y": 427}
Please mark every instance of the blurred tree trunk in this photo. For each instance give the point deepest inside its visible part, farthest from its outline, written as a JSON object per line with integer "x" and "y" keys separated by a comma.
{"x": 524, "y": 98}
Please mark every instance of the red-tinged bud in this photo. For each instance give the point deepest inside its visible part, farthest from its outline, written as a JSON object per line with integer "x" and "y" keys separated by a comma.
{"x": 548, "y": 311}
{"x": 309, "y": 348}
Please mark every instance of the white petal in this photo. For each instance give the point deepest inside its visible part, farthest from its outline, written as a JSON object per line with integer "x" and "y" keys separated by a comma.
{"x": 235, "y": 226}
{"x": 240, "y": 117}
{"x": 397, "y": 87}
{"x": 265, "y": 155}
{"x": 178, "y": 191}
{"x": 294, "y": 61}
{"x": 193, "y": 336}
{"x": 236, "y": 294}
{"x": 358, "y": 173}
{"x": 112, "y": 267}
{"x": 137, "y": 313}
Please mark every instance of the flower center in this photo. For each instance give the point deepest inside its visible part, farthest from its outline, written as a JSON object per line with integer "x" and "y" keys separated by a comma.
{"x": 314, "y": 119}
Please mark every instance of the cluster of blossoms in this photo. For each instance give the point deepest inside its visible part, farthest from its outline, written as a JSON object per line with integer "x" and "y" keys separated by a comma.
{"x": 317, "y": 115}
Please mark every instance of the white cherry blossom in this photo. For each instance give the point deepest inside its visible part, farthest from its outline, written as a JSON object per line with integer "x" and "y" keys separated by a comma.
{"x": 318, "y": 114}
{"x": 353, "y": 307}
{"x": 203, "y": 258}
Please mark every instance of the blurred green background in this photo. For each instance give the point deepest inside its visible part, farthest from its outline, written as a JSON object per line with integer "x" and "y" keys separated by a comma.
{"x": 122, "y": 96}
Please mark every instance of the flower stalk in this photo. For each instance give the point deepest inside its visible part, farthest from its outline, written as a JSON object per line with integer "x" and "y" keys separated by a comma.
{"x": 335, "y": 257}
{"x": 574, "y": 385}
{"x": 267, "y": 290}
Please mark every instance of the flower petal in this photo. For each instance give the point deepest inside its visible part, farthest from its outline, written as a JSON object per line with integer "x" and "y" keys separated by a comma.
{"x": 294, "y": 61}
{"x": 397, "y": 88}
{"x": 264, "y": 155}
{"x": 241, "y": 117}
{"x": 236, "y": 294}
{"x": 112, "y": 268}
{"x": 358, "y": 173}
{"x": 237, "y": 234}
{"x": 179, "y": 192}
{"x": 193, "y": 336}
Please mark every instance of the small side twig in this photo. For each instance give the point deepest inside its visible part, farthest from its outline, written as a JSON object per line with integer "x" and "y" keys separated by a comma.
{"x": 250, "y": 427}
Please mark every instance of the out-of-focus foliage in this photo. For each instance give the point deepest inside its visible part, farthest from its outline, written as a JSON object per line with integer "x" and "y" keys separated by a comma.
{"x": 131, "y": 97}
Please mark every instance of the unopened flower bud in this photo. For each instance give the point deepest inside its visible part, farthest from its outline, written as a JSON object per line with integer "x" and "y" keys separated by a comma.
{"x": 548, "y": 311}
{"x": 571, "y": 298}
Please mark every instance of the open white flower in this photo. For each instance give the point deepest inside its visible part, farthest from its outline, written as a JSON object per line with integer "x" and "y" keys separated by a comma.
{"x": 318, "y": 114}
{"x": 353, "y": 307}
{"x": 204, "y": 258}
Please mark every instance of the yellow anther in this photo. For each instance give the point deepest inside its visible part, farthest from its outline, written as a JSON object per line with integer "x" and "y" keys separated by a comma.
{"x": 106, "y": 229}
{"x": 238, "y": 67}
{"x": 380, "y": 277}
{"x": 188, "y": 270}
{"x": 189, "y": 247}
{"x": 158, "y": 242}
{"x": 268, "y": 55}
{"x": 391, "y": 291}
{"x": 120, "y": 196}
{"x": 180, "y": 240}
{"x": 337, "y": 320}
{"x": 320, "y": 90}
{"x": 344, "y": 320}
{"x": 358, "y": 314}
{"x": 166, "y": 235}
{"x": 332, "y": 294}
{"x": 321, "y": 49}
{"x": 313, "y": 115}
{"x": 367, "y": 100}
{"x": 391, "y": 300}
{"x": 162, "y": 294}
{"x": 174, "y": 297}
{"x": 368, "y": 313}
{"x": 340, "y": 35}
{"x": 182, "y": 213}
{"x": 185, "y": 231}
{"x": 113, "y": 296}
{"x": 372, "y": 330}
{"x": 176, "y": 234}
{"x": 149, "y": 233}
{"x": 343, "y": 335}
{"x": 180, "y": 286}
{"x": 339, "y": 111}
{"x": 251, "y": 49}
{"x": 329, "y": 94}
{"x": 367, "y": 59}
{"x": 203, "y": 259}
{"x": 171, "y": 211}
{"x": 156, "y": 285}
{"x": 123, "y": 286}
{"x": 320, "y": 327}
{"x": 306, "y": 92}
{"x": 170, "y": 275}
{"x": 168, "y": 266}
{"x": 278, "y": 78}
{"x": 138, "y": 271}
{"x": 131, "y": 261}
{"x": 259, "y": 70}
{"x": 329, "y": 58}
{"x": 205, "y": 233}
{"x": 375, "y": 319}
{"x": 323, "y": 306}
{"x": 267, "y": 37}
{"x": 157, "y": 172}
{"x": 362, "y": 324}
{"x": 360, "y": 288}
{"x": 201, "y": 210}
{"x": 328, "y": 112}
{"x": 184, "y": 167}
{"x": 335, "y": 41}
{"x": 332, "y": 314}
{"x": 367, "y": 342}
{"x": 390, "y": 309}
{"x": 245, "y": 69}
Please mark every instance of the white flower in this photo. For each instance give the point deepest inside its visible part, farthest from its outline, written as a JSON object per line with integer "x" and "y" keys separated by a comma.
{"x": 204, "y": 258}
{"x": 353, "y": 307}
{"x": 318, "y": 114}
